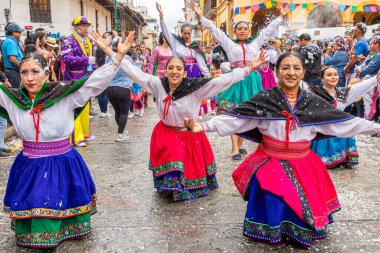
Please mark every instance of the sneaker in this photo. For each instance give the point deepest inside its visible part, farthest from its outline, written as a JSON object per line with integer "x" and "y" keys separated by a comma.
{"x": 80, "y": 144}
{"x": 141, "y": 113}
{"x": 89, "y": 138}
{"x": 213, "y": 112}
{"x": 130, "y": 116}
{"x": 103, "y": 115}
{"x": 7, "y": 150}
{"x": 3, "y": 154}
{"x": 122, "y": 137}
{"x": 236, "y": 157}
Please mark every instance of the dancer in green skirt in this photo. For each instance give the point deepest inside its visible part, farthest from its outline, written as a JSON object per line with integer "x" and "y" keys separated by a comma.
{"x": 239, "y": 52}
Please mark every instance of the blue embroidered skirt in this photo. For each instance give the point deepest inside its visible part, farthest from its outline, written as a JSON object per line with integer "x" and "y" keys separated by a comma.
{"x": 336, "y": 151}
{"x": 49, "y": 183}
{"x": 270, "y": 219}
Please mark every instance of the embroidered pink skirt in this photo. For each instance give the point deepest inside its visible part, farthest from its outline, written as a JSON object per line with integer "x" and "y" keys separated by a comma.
{"x": 293, "y": 178}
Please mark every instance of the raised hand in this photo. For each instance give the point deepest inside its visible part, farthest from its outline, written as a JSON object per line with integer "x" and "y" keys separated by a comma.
{"x": 159, "y": 9}
{"x": 259, "y": 60}
{"x": 197, "y": 10}
{"x": 193, "y": 126}
{"x": 99, "y": 40}
{"x": 285, "y": 11}
{"x": 123, "y": 47}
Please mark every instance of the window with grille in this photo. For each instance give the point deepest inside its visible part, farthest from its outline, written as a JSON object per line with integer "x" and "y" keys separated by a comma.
{"x": 40, "y": 11}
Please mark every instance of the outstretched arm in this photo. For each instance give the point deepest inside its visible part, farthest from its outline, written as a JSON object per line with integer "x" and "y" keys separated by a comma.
{"x": 218, "y": 34}
{"x": 146, "y": 81}
{"x": 358, "y": 90}
{"x": 222, "y": 83}
{"x": 224, "y": 125}
{"x": 172, "y": 41}
{"x": 102, "y": 77}
{"x": 349, "y": 128}
{"x": 96, "y": 84}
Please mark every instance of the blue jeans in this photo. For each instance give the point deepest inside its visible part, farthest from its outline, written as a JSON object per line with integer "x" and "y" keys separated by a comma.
{"x": 341, "y": 82}
{"x": 103, "y": 101}
{"x": 3, "y": 128}
{"x": 316, "y": 80}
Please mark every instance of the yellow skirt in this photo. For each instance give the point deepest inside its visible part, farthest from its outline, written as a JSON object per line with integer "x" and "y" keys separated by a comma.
{"x": 82, "y": 125}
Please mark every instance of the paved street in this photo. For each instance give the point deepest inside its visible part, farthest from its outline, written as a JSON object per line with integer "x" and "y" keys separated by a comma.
{"x": 133, "y": 218}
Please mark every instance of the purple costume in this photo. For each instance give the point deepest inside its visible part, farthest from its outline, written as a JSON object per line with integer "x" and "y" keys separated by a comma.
{"x": 76, "y": 59}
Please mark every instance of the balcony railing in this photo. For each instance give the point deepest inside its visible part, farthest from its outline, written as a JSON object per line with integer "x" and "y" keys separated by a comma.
{"x": 209, "y": 10}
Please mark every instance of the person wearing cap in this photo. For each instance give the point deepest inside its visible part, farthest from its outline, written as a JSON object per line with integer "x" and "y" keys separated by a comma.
{"x": 360, "y": 49}
{"x": 78, "y": 51}
{"x": 359, "y": 53}
{"x": 312, "y": 56}
{"x": 79, "y": 58}
{"x": 12, "y": 54}
{"x": 372, "y": 64}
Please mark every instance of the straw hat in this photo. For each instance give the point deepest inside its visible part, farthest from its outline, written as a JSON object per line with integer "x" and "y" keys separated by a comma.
{"x": 50, "y": 41}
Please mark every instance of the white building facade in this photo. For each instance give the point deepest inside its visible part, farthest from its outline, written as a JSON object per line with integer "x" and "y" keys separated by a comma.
{"x": 55, "y": 15}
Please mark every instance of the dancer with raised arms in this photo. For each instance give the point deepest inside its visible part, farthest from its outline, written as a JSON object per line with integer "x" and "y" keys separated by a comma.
{"x": 238, "y": 52}
{"x": 182, "y": 46}
{"x": 287, "y": 186}
{"x": 50, "y": 194}
{"x": 183, "y": 164}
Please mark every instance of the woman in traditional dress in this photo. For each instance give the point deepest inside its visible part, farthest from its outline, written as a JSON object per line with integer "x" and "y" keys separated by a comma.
{"x": 340, "y": 151}
{"x": 160, "y": 56}
{"x": 289, "y": 191}
{"x": 339, "y": 59}
{"x": 182, "y": 163}
{"x": 50, "y": 194}
{"x": 238, "y": 51}
{"x": 196, "y": 64}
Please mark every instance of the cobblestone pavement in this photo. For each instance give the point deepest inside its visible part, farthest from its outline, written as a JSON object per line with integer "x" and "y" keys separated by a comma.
{"x": 133, "y": 218}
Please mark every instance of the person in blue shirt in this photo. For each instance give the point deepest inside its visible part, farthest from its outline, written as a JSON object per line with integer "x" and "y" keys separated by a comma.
{"x": 359, "y": 53}
{"x": 12, "y": 54}
{"x": 119, "y": 95}
{"x": 360, "y": 49}
{"x": 372, "y": 63}
{"x": 340, "y": 58}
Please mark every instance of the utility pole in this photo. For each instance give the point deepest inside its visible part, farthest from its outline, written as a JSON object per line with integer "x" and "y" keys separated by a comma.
{"x": 115, "y": 16}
